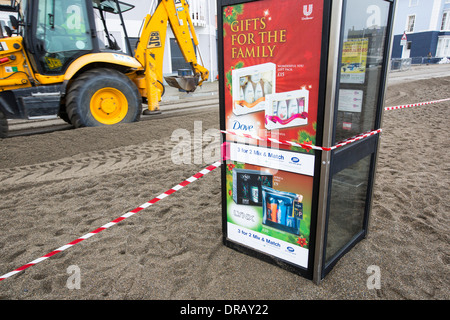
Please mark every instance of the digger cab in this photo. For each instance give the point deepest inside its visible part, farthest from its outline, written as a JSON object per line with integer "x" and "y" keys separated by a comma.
{"x": 56, "y": 33}
{"x": 59, "y": 48}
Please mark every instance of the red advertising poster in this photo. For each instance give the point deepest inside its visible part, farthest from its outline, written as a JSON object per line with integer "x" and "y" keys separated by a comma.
{"x": 272, "y": 52}
{"x": 271, "y": 56}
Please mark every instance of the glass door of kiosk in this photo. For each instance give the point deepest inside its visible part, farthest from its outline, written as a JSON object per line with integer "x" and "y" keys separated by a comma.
{"x": 362, "y": 53}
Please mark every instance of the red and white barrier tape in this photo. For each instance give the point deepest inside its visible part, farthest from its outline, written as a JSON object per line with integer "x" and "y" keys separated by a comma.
{"x": 114, "y": 222}
{"x": 306, "y": 146}
{"x": 415, "y": 104}
{"x": 309, "y": 146}
{"x": 200, "y": 174}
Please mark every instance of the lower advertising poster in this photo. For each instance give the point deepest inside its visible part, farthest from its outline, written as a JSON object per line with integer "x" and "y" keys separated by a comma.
{"x": 268, "y": 201}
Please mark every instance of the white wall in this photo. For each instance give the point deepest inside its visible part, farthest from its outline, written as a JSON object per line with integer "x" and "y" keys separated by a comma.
{"x": 428, "y": 15}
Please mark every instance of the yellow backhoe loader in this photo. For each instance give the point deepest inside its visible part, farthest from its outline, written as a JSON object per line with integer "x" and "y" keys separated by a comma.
{"x": 53, "y": 62}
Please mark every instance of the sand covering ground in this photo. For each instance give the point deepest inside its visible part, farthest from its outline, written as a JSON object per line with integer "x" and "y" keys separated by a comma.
{"x": 57, "y": 187}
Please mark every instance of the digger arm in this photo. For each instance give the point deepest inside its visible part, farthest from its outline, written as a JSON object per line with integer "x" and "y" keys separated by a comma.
{"x": 150, "y": 50}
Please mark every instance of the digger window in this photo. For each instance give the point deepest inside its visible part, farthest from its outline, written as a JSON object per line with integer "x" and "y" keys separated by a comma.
{"x": 62, "y": 32}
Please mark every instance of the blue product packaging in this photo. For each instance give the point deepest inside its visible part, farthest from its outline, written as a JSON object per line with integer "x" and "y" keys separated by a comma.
{"x": 288, "y": 210}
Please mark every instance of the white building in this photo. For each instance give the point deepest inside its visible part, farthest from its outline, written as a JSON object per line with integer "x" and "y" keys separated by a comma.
{"x": 203, "y": 14}
{"x": 426, "y": 24}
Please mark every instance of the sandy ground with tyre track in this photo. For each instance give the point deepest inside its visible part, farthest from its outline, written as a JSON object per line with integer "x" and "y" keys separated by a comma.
{"x": 59, "y": 186}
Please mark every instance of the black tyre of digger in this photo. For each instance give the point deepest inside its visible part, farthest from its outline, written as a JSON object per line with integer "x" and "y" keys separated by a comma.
{"x": 3, "y": 126}
{"x": 92, "y": 98}
{"x": 64, "y": 116}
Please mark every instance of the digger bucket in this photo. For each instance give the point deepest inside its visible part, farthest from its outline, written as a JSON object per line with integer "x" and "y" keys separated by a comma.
{"x": 186, "y": 83}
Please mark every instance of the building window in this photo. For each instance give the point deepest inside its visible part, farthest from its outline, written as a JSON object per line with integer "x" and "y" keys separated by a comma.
{"x": 445, "y": 25}
{"x": 413, "y": 3}
{"x": 410, "y": 23}
{"x": 178, "y": 60}
{"x": 443, "y": 47}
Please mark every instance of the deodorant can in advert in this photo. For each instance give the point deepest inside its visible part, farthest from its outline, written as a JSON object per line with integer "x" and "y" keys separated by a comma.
{"x": 255, "y": 194}
{"x": 245, "y": 190}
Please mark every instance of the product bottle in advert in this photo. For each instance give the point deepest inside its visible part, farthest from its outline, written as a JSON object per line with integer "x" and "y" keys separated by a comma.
{"x": 266, "y": 210}
{"x": 275, "y": 108}
{"x": 241, "y": 94}
{"x": 258, "y": 91}
{"x": 255, "y": 194}
{"x": 249, "y": 93}
{"x": 282, "y": 109}
{"x": 301, "y": 105}
{"x": 242, "y": 82}
{"x": 265, "y": 181}
{"x": 292, "y": 107}
{"x": 273, "y": 210}
{"x": 245, "y": 193}
{"x": 290, "y": 220}
{"x": 267, "y": 87}
{"x": 281, "y": 212}
{"x": 279, "y": 205}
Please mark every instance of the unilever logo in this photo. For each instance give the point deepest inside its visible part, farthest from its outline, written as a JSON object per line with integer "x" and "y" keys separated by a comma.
{"x": 307, "y": 11}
